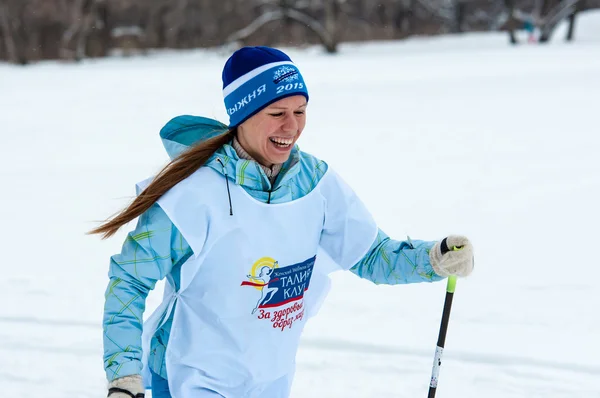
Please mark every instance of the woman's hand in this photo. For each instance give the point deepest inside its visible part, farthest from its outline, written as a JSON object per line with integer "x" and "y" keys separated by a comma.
{"x": 452, "y": 256}
{"x": 126, "y": 387}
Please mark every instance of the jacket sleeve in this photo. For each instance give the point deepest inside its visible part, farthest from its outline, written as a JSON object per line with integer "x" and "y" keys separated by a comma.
{"x": 393, "y": 262}
{"x": 148, "y": 255}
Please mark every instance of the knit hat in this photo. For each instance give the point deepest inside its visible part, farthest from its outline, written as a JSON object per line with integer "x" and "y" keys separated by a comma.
{"x": 254, "y": 78}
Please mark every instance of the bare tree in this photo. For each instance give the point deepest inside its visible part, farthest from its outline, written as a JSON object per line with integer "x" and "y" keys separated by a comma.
{"x": 460, "y": 9}
{"x": 175, "y": 19}
{"x": 9, "y": 41}
{"x": 15, "y": 30}
{"x": 83, "y": 18}
{"x": 73, "y": 29}
{"x": 555, "y": 15}
{"x": 572, "y": 17}
{"x": 512, "y": 21}
{"x": 286, "y": 10}
{"x": 155, "y": 25}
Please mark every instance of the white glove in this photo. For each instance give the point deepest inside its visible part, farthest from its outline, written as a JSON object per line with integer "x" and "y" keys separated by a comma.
{"x": 452, "y": 256}
{"x": 130, "y": 386}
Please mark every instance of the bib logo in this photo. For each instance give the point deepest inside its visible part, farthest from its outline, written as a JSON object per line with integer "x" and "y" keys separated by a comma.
{"x": 280, "y": 290}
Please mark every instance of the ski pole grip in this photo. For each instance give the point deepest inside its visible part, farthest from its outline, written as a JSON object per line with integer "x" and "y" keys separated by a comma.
{"x": 451, "y": 285}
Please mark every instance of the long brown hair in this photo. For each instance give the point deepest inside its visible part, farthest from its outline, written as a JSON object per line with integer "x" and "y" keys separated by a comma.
{"x": 176, "y": 171}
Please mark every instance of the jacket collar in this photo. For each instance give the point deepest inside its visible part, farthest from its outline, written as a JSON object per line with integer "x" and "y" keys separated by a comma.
{"x": 248, "y": 173}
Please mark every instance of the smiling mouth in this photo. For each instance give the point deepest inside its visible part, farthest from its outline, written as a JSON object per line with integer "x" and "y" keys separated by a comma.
{"x": 282, "y": 142}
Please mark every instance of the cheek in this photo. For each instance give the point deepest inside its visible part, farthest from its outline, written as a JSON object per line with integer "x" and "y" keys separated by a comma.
{"x": 268, "y": 128}
{"x": 259, "y": 133}
{"x": 301, "y": 124}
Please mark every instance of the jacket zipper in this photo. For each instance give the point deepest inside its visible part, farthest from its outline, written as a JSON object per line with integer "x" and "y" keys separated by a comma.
{"x": 227, "y": 183}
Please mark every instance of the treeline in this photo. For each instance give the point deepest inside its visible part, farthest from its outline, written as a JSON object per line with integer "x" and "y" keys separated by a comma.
{"x": 32, "y": 30}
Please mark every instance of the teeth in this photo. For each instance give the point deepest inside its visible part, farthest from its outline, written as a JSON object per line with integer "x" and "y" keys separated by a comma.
{"x": 282, "y": 141}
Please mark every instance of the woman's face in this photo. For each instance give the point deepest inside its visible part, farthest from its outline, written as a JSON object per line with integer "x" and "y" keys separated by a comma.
{"x": 270, "y": 135}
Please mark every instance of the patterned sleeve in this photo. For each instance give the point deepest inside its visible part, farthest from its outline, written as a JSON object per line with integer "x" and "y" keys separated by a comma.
{"x": 393, "y": 262}
{"x": 147, "y": 256}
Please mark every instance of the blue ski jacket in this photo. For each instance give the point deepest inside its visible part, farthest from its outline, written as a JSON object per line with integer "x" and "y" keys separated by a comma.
{"x": 156, "y": 249}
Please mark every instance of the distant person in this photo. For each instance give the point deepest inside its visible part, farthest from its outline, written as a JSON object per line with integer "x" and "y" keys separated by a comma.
{"x": 529, "y": 27}
{"x": 239, "y": 215}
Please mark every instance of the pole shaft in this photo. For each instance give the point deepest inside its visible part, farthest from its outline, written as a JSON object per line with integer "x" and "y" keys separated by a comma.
{"x": 437, "y": 360}
{"x": 445, "y": 319}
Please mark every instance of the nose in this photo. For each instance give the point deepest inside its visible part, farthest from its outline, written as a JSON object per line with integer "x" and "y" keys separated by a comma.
{"x": 290, "y": 124}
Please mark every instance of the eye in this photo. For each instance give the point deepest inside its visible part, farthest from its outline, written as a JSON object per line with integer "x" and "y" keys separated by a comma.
{"x": 277, "y": 114}
{"x": 299, "y": 112}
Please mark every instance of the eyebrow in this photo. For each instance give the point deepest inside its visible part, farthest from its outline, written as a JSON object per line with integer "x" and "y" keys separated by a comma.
{"x": 284, "y": 108}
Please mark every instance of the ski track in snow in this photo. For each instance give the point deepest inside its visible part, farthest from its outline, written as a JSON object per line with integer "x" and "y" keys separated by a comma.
{"x": 321, "y": 345}
{"x": 48, "y": 322}
{"x": 519, "y": 375}
{"x": 472, "y": 358}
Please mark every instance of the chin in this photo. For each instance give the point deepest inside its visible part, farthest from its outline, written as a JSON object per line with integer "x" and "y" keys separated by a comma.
{"x": 279, "y": 159}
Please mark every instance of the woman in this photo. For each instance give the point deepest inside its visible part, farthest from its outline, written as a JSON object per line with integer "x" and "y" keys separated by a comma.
{"x": 246, "y": 229}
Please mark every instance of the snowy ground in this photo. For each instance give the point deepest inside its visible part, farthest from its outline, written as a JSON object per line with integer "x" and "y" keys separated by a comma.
{"x": 448, "y": 135}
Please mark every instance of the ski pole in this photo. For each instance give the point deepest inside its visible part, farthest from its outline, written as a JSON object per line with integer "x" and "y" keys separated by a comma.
{"x": 437, "y": 360}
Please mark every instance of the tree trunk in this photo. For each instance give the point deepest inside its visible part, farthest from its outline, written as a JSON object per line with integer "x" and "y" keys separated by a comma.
{"x": 564, "y": 9}
{"x": 9, "y": 40}
{"x": 572, "y": 17}
{"x": 12, "y": 15}
{"x": 155, "y": 31}
{"x": 70, "y": 33}
{"x": 460, "y": 11}
{"x": 175, "y": 20}
{"x": 330, "y": 26}
{"x": 100, "y": 40}
{"x": 510, "y": 4}
{"x": 89, "y": 20}
{"x": 412, "y": 16}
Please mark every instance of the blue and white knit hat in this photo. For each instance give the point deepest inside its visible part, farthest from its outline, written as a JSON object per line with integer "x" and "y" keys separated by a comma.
{"x": 255, "y": 77}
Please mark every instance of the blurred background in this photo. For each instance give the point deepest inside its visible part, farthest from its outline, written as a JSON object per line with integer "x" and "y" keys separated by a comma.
{"x": 32, "y": 30}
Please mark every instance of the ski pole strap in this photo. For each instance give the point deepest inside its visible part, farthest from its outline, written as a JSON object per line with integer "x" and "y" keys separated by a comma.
{"x": 115, "y": 390}
{"x": 444, "y": 246}
{"x": 445, "y": 249}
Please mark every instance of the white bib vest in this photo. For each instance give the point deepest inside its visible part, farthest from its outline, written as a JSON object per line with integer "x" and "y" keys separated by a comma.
{"x": 253, "y": 281}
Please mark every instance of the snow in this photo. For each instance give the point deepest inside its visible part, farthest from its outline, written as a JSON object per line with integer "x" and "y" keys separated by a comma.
{"x": 459, "y": 134}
